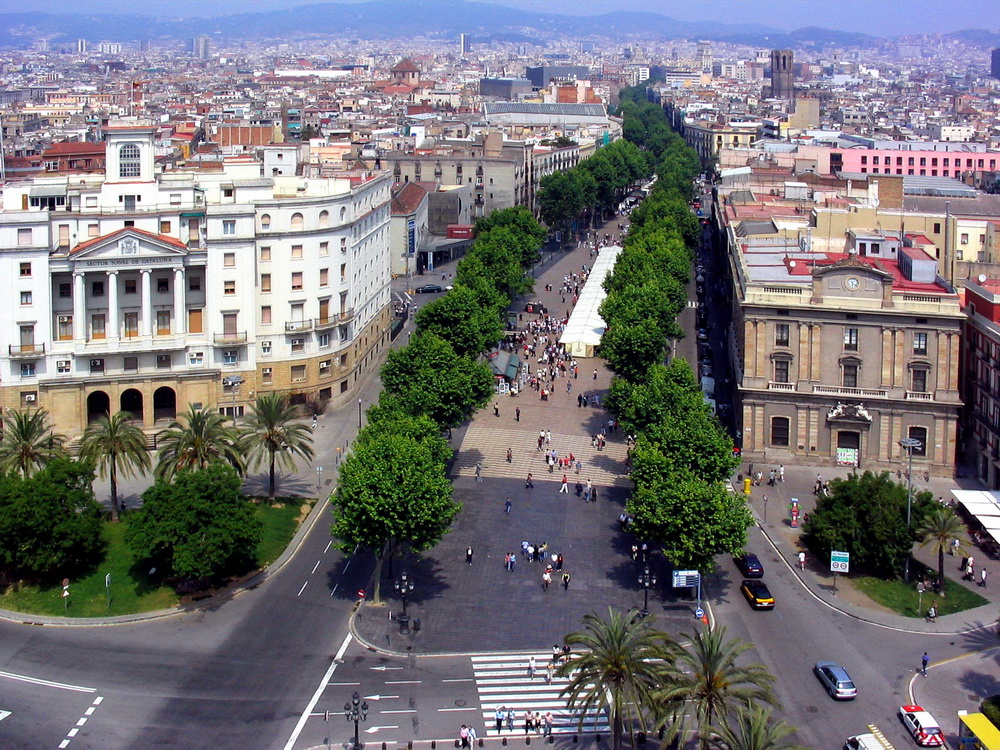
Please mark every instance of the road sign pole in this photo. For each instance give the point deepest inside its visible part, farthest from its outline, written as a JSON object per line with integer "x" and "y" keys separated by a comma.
{"x": 835, "y": 583}
{"x": 107, "y": 588}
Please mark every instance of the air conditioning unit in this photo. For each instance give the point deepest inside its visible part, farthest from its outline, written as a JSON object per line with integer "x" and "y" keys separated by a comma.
{"x": 97, "y": 363}
{"x": 30, "y": 398}
{"x": 65, "y": 318}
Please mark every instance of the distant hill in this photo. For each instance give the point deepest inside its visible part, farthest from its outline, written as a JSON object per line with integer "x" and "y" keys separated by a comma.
{"x": 394, "y": 19}
{"x": 977, "y": 38}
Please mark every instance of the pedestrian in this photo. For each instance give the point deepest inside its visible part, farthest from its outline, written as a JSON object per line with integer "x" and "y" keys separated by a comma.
{"x": 955, "y": 544}
{"x": 559, "y": 561}
{"x": 970, "y": 572}
{"x": 479, "y": 471}
{"x": 498, "y": 715}
{"x": 506, "y": 505}
{"x": 527, "y": 722}
{"x": 550, "y": 670}
{"x": 961, "y": 565}
{"x": 802, "y": 560}
{"x": 595, "y": 374}
{"x": 513, "y": 561}
{"x": 548, "y": 723}
{"x": 564, "y": 487}
{"x": 982, "y": 577}
{"x": 472, "y": 735}
{"x": 924, "y": 661}
{"x": 464, "y": 736}
{"x": 510, "y": 455}
{"x": 537, "y": 722}
{"x": 517, "y": 413}
{"x": 531, "y": 667}
{"x": 506, "y": 561}
{"x": 496, "y": 409}
{"x": 510, "y": 719}
{"x": 566, "y": 578}
{"x": 315, "y": 422}
{"x": 548, "y": 437}
{"x": 468, "y": 554}
{"x": 932, "y": 612}
{"x": 546, "y": 580}
{"x": 527, "y": 482}
{"x": 578, "y": 466}
{"x": 781, "y": 472}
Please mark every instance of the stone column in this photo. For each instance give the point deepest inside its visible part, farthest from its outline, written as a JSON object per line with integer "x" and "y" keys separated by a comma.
{"x": 79, "y": 307}
{"x": 112, "y": 330}
{"x": 180, "y": 305}
{"x": 145, "y": 317}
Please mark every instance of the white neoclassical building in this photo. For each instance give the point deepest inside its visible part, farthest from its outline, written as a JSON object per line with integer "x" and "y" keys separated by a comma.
{"x": 147, "y": 292}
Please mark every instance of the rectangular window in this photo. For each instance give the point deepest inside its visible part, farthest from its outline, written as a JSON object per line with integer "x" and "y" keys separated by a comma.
{"x": 296, "y": 252}
{"x": 164, "y": 227}
{"x": 265, "y": 348}
{"x": 324, "y": 368}
{"x": 324, "y": 311}
{"x": 265, "y": 282}
{"x": 850, "y": 376}
{"x": 229, "y": 287}
{"x": 265, "y": 254}
{"x": 780, "y": 430}
{"x": 229, "y": 260}
{"x": 175, "y": 199}
{"x": 298, "y": 373}
{"x": 920, "y": 343}
{"x": 130, "y": 286}
{"x": 196, "y": 359}
{"x": 920, "y": 435}
{"x": 97, "y": 288}
{"x": 163, "y": 361}
{"x": 344, "y": 333}
{"x": 131, "y": 320}
{"x": 343, "y": 244}
{"x": 918, "y": 381}
{"x": 63, "y": 366}
{"x": 65, "y": 290}
{"x": 324, "y": 340}
{"x": 324, "y": 277}
{"x": 230, "y": 357}
{"x": 25, "y": 298}
{"x": 27, "y": 369}
{"x": 194, "y": 284}
{"x": 265, "y": 315}
{"x": 324, "y": 249}
{"x": 24, "y": 269}
{"x": 781, "y": 334}
{"x": 96, "y": 366}
{"x": 163, "y": 322}
{"x": 296, "y": 280}
{"x": 97, "y": 330}
{"x": 781, "y": 371}
{"x": 851, "y": 339}
{"x": 64, "y": 327}
{"x": 229, "y": 228}
{"x": 343, "y": 272}
{"x": 23, "y": 237}
{"x": 195, "y": 321}
{"x": 163, "y": 285}
{"x": 298, "y": 345}
{"x": 964, "y": 239}
{"x": 343, "y": 360}
{"x": 266, "y": 375}
{"x": 93, "y": 230}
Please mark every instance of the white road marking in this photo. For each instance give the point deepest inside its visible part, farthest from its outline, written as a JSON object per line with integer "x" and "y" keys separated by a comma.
{"x": 470, "y": 708}
{"x": 63, "y": 744}
{"x": 47, "y": 683}
{"x": 98, "y": 700}
{"x": 335, "y": 589}
{"x": 90, "y": 711}
{"x": 400, "y": 711}
{"x": 327, "y": 548}
{"x": 81, "y": 721}
{"x": 300, "y": 724}
{"x": 343, "y": 683}
{"x": 402, "y": 682}
{"x": 315, "y": 566}
{"x": 459, "y": 679}
{"x": 303, "y": 588}
{"x": 378, "y": 697}
{"x": 372, "y": 730}
{"x": 347, "y": 565}
{"x": 72, "y": 732}
{"x": 4, "y": 715}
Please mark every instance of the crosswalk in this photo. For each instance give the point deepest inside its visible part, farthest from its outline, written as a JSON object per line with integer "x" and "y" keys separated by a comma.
{"x": 503, "y": 680}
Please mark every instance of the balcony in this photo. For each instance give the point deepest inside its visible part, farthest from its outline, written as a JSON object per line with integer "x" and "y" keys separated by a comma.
{"x": 296, "y": 326}
{"x": 236, "y": 337}
{"x": 774, "y": 386}
{"x": 25, "y": 350}
{"x": 328, "y": 322}
{"x": 345, "y": 315}
{"x": 828, "y": 390}
{"x": 918, "y": 396}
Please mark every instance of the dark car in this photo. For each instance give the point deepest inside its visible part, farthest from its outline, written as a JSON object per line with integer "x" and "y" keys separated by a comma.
{"x": 757, "y": 594}
{"x": 749, "y": 565}
{"x": 428, "y": 289}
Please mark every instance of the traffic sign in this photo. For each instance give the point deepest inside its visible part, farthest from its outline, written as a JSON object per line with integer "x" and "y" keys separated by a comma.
{"x": 699, "y": 613}
{"x": 840, "y": 562}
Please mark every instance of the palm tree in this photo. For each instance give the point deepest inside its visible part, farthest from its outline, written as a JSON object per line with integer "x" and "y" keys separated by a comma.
{"x": 28, "y": 442}
{"x": 751, "y": 728}
{"x": 270, "y": 432}
{"x": 202, "y": 437}
{"x": 115, "y": 445}
{"x": 707, "y": 676}
{"x": 618, "y": 661}
{"x": 940, "y": 530}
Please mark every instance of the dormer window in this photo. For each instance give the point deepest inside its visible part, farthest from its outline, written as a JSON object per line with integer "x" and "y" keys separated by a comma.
{"x": 129, "y": 161}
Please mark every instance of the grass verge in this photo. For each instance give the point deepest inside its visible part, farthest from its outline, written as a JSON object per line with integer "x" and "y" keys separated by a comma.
{"x": 134, "y": 591}
{"x": 903, "y": 598}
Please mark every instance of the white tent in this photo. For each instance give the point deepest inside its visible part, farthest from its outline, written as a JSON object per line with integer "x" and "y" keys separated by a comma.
{"x": 586, "y": 326}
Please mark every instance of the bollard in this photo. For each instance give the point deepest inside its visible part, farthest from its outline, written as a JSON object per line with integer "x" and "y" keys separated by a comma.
{"x": 434, "y": 744}
{"x": 457, "y": 743}
{"x": 416, "y": 625}
{"x": 575, "y": 739}
{"x": 480, "y": 742}
{"x": 527, "y": 740}
{"x": 383, "y": 746}
{"x": 504, "y": 742}
{"x": 409, "y": 745}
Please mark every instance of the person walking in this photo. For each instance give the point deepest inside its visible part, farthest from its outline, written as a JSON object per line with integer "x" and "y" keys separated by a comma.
{"x": 510, "y": 719}
{"x": 982, "y": 577}
{"x": 531, "y": 667}
{"x": 472, "y": 736}
{"x": 498, "y": 715}
{"x": 924, "y": 661}
{"x": 595, "y": 374}
{"x": 550, "y": 670}
{"x": 527, "y": 482}
{"x": 479, "y": 472}
{"x": 510, "y": 455}
{"x": 463, "y": 735}
{"x": 517, "y": 413}
{"x": 565, "y": 581}
{"x": 802, "y": 560}
{"x": 506, "y": 505}
{"x": 315, "y": 422}
{"x": 781, "y": 472}
{"x": 548, "y": 437}
{"x": 546, "y": 580}
{"x": 548, "y": 723}
{"x": 564, "y": 487}
{"x": 496, "y": 409}
{"x": 468, "y": 554}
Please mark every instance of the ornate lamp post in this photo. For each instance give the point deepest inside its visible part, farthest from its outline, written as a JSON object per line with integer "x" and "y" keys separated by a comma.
{"x": 356, "y": 711}
{"x": 646, "y": 580}
{"x": 404, "y": 586}
{"x": 910, "y": 445}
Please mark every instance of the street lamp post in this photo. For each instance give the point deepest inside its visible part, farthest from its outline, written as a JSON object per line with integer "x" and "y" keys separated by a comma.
{"x": 646, "y": 580}
{"x": 356, "y": 711}
{"x": 319, "y": 480}
{"x": 910, "y": 445}
{"x": 404, "y": 585}
{"x": 359, "y": 413}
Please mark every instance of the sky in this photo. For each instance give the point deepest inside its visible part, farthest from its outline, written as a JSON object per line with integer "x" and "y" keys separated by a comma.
{"x": 887, "y": 18}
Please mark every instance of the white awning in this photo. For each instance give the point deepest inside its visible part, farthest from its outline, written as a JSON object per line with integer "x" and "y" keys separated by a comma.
{"x": 46, "y": 191}
{"x": 585, "y": 327}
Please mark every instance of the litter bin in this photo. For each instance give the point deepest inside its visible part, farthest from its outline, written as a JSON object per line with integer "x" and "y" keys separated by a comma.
{"x": 416, "y": 625}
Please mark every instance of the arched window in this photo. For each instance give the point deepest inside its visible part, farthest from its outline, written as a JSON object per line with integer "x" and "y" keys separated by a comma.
{"x": 324, "y": 218}
{"x": 129, "y": 161}
{"x": 343, "y": 214}
{"x": 296, "y": 221}
{"x": 265, "y": 221}
{"x": 780, "y": 430}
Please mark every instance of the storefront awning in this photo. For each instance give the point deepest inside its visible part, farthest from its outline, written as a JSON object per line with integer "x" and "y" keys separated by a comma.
{"x": 47, "y": 191}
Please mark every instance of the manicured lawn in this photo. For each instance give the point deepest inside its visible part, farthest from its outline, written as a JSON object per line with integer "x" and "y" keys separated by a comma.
{"x": 133, "y": 590}
{"x": 904, "y": 599}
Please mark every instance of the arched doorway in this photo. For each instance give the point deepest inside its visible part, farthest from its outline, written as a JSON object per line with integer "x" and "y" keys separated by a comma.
{"x": 98, "y": 405}
{"x": 164, "y": 404}
{"x": 131, "y": 401}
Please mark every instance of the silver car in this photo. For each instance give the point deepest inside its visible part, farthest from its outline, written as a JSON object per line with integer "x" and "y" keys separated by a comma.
{"x": 835, "y": 679}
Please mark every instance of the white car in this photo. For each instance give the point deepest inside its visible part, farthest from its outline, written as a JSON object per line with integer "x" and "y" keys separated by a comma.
{"x": 922, "y": 726}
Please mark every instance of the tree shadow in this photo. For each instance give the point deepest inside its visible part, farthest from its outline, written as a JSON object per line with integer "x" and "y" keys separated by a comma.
{"x": 986, "y": 636}
{"x": 285, "y": 485}
{"x": 980, "y": 684}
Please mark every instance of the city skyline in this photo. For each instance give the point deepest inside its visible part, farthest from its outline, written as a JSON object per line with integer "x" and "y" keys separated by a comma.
{"x": 886, "y": 18}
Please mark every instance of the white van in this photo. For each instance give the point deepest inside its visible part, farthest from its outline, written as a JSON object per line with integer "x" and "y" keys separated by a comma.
{"x": 708, "y": 386}
{"x": 868, "y": 742}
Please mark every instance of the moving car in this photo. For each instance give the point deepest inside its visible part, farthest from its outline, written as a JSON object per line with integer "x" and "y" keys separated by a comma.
{"x": 873, "y": 740}
{"x": 922, "y": 726}
{"x": 749, "y": 565}
{"x": 835, "y": 680}
{"x": 757, "y": 594}
{"x": 428, "y": 289}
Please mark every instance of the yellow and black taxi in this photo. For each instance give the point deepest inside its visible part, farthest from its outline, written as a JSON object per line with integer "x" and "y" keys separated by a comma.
{"x": 757, "y": 594}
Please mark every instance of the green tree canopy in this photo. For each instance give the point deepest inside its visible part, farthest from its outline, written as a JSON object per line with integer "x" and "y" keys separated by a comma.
{"x": 943, "y": 531}
{"x": 393, "y": 492}
{"x": 387, "y": 417}
{"x": 517, "y": 218}
{"x": 462, "y": 321}
{"x": 271, "y": 433}
{"x": 630, "y": 350}
{"x": 115, "y": 444}
{"x": 198, "y": 438}
{"x": 197, "y": 526}
{"x": 28, "y": 442}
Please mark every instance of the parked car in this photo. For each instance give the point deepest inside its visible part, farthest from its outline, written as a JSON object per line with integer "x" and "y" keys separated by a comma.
{"x": 835, "y": 680}
{"x": 757, "y": 594}
{"x": 922, "y": 726}
{"x": 749, "y": 565}
{"x": 428, "y": 289}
